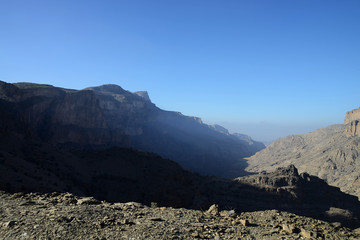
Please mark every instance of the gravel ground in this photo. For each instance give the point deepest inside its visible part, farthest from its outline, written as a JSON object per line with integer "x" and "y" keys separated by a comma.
{"x": 64, "y": 216}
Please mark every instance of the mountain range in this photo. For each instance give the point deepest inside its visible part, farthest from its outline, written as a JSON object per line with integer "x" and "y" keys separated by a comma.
{"x": 127, "y": 175}
{"x": 114, "y": 145}
{"x": 331, "y": 153}
{"x": 99, "y": 117}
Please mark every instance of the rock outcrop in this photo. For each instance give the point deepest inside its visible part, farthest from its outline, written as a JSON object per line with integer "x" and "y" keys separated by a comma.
{"x": 352, "y": 116}
{"x": 352, "y": 119}
{"x": 353, "y": 129}
{"x": 330, "y": 153}
{"x": 99, "y": 117}
{"x": 144, "y": 95}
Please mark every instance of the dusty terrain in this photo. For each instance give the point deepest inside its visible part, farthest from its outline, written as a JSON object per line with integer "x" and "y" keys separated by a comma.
{"x": 64, "y": 216}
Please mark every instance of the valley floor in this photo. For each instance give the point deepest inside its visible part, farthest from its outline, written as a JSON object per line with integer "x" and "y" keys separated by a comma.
{"x": 64, "y": 216}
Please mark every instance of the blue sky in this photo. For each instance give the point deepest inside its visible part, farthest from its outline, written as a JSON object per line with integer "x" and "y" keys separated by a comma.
{"x": 264, "y": 68}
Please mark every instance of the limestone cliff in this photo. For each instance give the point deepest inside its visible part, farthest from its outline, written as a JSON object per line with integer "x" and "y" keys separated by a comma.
{"x": 353, "y": 129}
{"x": 352, "y": 119}
{"x": 108, "y": 115}
{"x": 144, "y": 95}
{"x": 352, "y": 115}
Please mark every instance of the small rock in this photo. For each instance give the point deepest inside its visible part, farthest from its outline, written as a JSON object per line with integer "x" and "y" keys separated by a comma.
{"x": 18, "y": 195}
{"x": 9, "y": 224}
{"x": 64, "y": 219}
{"x": 127, "y": 222}
{"x": 195, "y": 234}
{"x": 336, "y": 224}
{"x": 213, "y": 209}
{"x": 28, "y": 203}
{"x": 134, "y": 205}
{"x": 289, "y": 228}
{"x": 156, "y": 219}
{"x": 87, "y": 201}
{"x": 232, "y": 213}
{"x": 305, "y": 233}
{"x": 24, "y": 235}
{"x": 224, "y": 213}
{"x": 60, "y": 229}
{"x": 118, "y": 206}
{"x": 244, "y": 222}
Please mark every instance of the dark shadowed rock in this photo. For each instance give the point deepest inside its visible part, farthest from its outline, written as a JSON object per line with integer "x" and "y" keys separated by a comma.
{"x": 99, "y": 117}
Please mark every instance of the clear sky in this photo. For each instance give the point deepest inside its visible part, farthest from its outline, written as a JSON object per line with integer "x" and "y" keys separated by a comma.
{"x": 264, "y": 68}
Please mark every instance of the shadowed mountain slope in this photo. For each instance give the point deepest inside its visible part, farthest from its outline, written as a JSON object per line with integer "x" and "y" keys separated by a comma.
{"x": 99, "y": 117}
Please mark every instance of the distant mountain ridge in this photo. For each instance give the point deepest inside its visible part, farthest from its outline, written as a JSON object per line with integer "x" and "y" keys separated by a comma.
{"x": 111, "y": 116}
{"x": 331, "y": 153}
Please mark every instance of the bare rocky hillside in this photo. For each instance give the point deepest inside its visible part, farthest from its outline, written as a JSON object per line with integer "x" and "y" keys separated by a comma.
{"x": 331, "y": 153}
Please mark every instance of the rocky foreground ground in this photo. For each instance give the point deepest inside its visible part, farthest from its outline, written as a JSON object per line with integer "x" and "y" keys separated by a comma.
{"x": 64, "y": 216}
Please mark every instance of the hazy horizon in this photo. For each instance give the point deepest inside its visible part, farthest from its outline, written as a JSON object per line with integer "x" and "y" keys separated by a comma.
{"x": 266, "y": 69}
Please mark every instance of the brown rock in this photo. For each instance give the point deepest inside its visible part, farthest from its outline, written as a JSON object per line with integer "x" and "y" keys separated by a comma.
{"x": 352, "y": 115}
{"x": 305, "y": 233}
{"x": 156, "y": 219}
{"x": 213, "y": 209}
{"x": 134, "y": 205}
{"x": 195, "y": 234}
{"x": 353, "y": 129}
{"x": 10, "y": 224}
{"x": 87, "y": 201}
{"x": 244, "y": 222}
{"x": 289, "y": 228}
